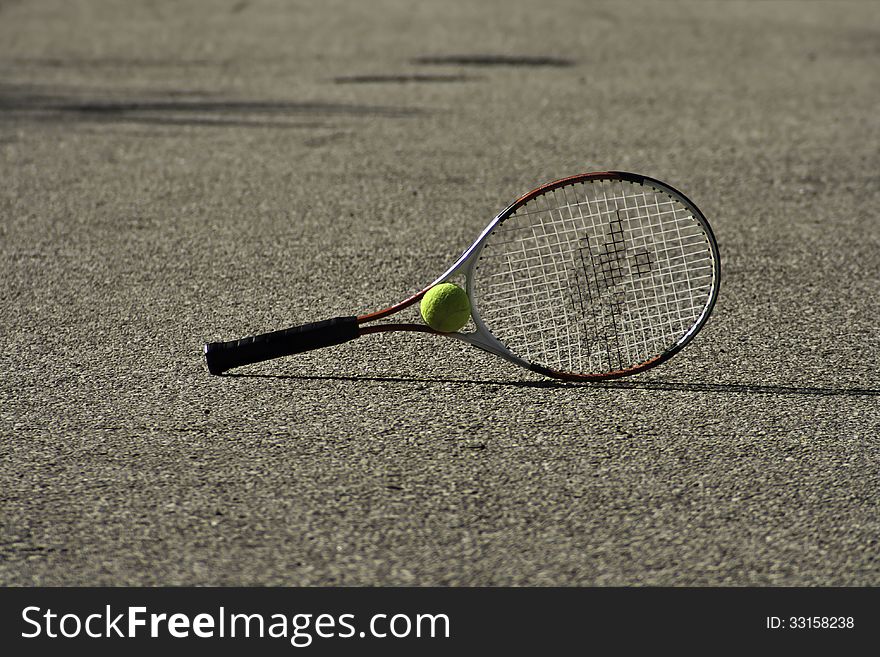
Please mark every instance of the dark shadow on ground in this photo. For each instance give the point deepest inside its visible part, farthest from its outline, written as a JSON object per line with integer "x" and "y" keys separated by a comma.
{"x": 518, "y": 61}
{"x": 176, "y": 108}
{"x": 670, "y": 386}
{"x": 404, "y": 79}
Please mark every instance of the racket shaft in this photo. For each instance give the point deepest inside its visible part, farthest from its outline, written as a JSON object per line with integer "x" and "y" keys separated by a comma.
{"x": 222, "y": 356}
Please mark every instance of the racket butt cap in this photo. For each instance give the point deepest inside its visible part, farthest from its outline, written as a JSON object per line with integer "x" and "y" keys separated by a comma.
{"x": 215, "y": 366}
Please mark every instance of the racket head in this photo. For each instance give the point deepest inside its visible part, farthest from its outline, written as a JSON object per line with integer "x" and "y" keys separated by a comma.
{"x": 592, "y": 277}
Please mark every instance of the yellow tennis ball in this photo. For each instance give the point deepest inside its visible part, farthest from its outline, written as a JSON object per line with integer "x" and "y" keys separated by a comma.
{"x": 445, "y": 307}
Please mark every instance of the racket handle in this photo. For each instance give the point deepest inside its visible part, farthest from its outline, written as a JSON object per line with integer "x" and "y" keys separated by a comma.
{"x": 222, "y": 356}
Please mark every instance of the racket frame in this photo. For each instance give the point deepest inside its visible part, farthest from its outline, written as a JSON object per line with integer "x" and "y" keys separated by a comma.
{"x": 221, "y": 356}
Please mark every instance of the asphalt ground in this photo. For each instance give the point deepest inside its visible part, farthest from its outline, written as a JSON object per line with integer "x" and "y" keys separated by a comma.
{"x": 177, "y": 173}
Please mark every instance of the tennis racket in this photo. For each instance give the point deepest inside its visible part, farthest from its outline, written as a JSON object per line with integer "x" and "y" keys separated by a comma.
{"x": 590, "y": 277}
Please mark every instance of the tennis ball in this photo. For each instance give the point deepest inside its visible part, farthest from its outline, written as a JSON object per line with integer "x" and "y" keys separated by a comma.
{"x": 445, "y": 307}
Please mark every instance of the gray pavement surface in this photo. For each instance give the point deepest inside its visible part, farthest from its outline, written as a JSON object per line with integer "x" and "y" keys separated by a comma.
{"x": 176, "y": 173}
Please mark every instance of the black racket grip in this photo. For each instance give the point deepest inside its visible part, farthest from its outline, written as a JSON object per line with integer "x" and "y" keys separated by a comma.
{"x": 222, "y": 356}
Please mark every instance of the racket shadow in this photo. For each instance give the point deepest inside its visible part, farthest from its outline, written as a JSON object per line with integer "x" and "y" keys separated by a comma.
{"x": 665, "y": 386}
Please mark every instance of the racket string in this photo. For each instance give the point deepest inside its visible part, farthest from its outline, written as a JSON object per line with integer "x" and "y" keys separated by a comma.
{"x": 596, "y": 276}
